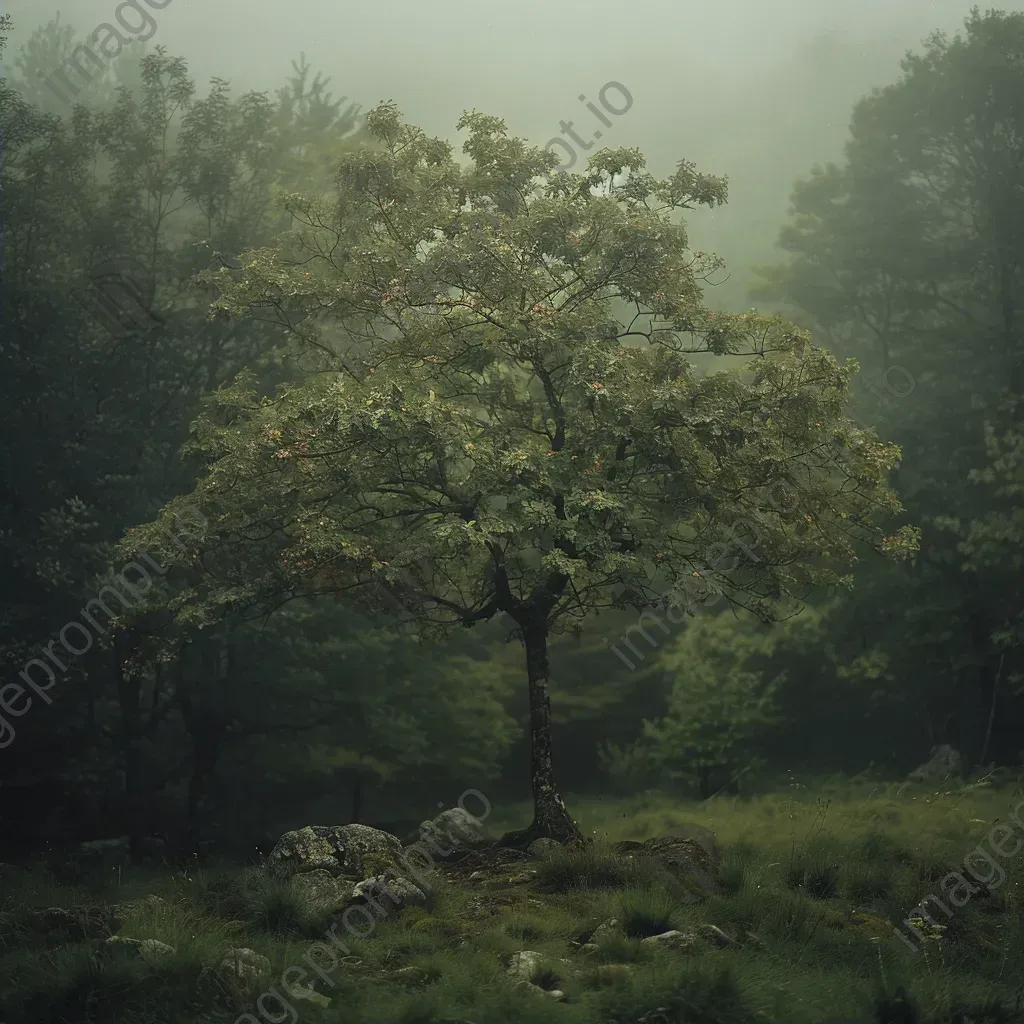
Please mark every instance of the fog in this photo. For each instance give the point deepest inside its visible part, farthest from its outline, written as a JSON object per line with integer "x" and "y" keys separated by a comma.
{"x": 755, "y": 91}
{"x": 495, "y": 569}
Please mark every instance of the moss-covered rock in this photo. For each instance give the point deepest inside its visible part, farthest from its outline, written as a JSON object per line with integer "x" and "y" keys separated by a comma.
{"x": 345, "y": 851}
{"x": 239, "y": 975}
{"x": 321, "y": 889}
{"x": 150, "y": 950}
{"x": 686, "y": 865}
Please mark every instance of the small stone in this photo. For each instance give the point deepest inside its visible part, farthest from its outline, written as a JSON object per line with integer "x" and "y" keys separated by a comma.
{"x": 240, "y": 972}
{"x": 145, "y": 949}
{"x": 309, "y": 994}
{"x": 345, "y": 851}
{"x": 714, "y": 934}
{"x": 522, "y": 877}
{"x": 944, "y": 763}
{"x": 537, "y": 990}
{"x": 543, "y": 848}
{"x": 525, "y": 964}
{"x": 411, "y": 975}
{"x": 105, "y": 849}
{"x": 389, "y": 895}
{"x": 607, "y": 930}
{"x": 319, "y": 888}
{"x": 134, "y": 906}
{"x": 451, "y": 831}
{"x": 672, "y": 939}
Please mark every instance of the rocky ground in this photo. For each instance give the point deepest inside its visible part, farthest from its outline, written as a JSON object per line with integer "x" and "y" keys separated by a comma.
{"x": 348, "y": 923}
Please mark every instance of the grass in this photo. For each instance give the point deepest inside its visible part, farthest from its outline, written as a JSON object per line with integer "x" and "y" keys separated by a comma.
{"x": 812, "y": 883}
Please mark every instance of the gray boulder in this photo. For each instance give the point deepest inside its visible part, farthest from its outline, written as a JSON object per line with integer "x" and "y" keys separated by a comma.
{"x": 541, "y": 849}
{"x": 672, "y": 940}
{"x": 240, "y": 973}
{"x": 148, "y": 903}
{"x": 345, "y": 851}
{"x": 685, "y": 865}
{"x": 689, "y": 939}
{"x": 319, "y": 888}
{"x": 701, "y": 835}
{"x": 389, "y": 895}
{"x": 115, "y": 851}
{"x": 143, "y": 949}
{"x": 943, "y": 763}
{"x": 531, "y": 970}
{"x": 610, "y": 929}
{"x": 451, "y": 831}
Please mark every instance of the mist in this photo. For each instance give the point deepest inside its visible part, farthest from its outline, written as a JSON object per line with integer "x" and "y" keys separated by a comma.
{"x": 758, "y": 92}
{"x": 444, "y": 585}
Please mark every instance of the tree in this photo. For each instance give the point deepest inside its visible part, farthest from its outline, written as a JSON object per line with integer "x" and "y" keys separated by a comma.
{"x": 44, "y": 53}
{"x": 719, "y": 708}
{"x": 908, "y": 257}
{"x": 483, "y": 437}
{"x": 94, "y": 416}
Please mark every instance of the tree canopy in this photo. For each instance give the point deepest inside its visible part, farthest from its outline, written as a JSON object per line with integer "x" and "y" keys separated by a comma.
{"x": 480, "y": 433}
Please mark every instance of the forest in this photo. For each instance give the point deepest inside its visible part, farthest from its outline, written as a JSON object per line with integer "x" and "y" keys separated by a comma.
{"x": 353, "y": 480}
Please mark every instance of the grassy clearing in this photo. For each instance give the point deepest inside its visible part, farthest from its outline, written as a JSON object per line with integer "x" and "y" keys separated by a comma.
{"x": 812, "y": 883}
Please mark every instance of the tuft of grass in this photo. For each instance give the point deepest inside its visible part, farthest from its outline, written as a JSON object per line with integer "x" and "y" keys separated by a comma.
{"x": 595, "y": 867}
{"x": 644, "y": 912}
{"x": 865, "y": 882}
{"x": 817, "y": 875}
{"x": 705, "y": 994}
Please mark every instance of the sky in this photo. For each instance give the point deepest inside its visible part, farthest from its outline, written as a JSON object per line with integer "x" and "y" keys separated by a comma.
{"x": 527, "y": 61}
{"x": 756, "y": 90}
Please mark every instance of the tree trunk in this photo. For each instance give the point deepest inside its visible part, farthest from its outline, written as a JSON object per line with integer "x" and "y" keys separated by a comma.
{"x": 551, "y": 819}
{"x": 991, "y": 714}
{"x": 129, "y": 691}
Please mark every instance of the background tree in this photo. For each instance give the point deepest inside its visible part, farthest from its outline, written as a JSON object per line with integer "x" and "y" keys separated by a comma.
{"x": 719, "y": 709}
{"x": 44, "y": 52}
{"x": 96, "y": 411}
{"x": 908, "y": 257}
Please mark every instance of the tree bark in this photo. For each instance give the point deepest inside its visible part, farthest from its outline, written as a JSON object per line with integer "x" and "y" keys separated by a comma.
{"x": 551, "y": 818}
